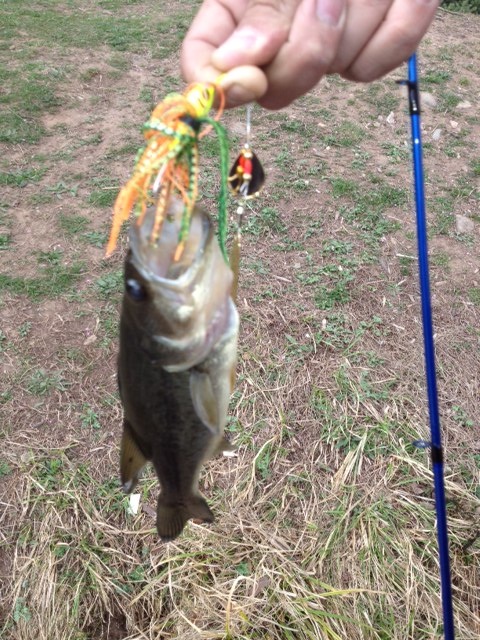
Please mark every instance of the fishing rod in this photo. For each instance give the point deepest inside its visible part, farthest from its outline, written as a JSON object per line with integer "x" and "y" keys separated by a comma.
{"x": 435, "y": 445}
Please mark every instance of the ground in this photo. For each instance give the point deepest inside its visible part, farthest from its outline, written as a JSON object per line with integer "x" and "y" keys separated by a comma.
{"x": 325, "y": 523}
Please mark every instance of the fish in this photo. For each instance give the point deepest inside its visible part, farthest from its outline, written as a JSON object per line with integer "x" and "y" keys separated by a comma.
{"x": 176, "y": 362}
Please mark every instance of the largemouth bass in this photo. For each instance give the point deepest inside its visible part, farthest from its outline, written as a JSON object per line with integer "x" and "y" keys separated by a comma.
{"x": 176, "y": 366}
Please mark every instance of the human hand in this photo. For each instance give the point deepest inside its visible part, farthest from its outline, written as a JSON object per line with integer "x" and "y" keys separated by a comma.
{"x": 273, "y": 51}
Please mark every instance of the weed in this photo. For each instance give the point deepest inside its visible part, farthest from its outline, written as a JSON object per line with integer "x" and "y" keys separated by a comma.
{"x": 89, "y": 417}
{"x": 342, "y": 187}
{"x": 53, "y": 257}
{"x": 24, "y": 329}
{"x": 262, "y": 461}
{"x": 53, "y": 281}
{"x": 21, "y": 611}
{"x": 442, "y": 207}
{"x": 474, "y": 295}
{"x": 41, "y": 382}
{"x": 461, "y": 417}
{"x": 441, "y": 260}
{"x": 3, "y": 341}
{"x": 61, "y": 188}
{"x": 72, "y": 224}
{"x": 347, "y": 134}
{"x": 5, "y": 396}
{"x": 21, "y": 178}
{"x": 5, "y": 241}
{"x": 109, "y": 285}
{"x": 17, "y": 129}
{"x": 267, "y": 220}
{"x": 395, "y": 152}
{"x": 106, "y": 194}
{"x": 337, "y": 291}
{"x": 96, "y": 238}
{"x": 5, "y": 468}
{"x": 436, "y": 77}
{"x": 448, "y": 101}
{"x": 381, "y": 99}
{"x": 406, "y": 263}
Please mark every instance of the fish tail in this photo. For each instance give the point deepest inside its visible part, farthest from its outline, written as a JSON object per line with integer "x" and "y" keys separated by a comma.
{"x": 173, "y": 516}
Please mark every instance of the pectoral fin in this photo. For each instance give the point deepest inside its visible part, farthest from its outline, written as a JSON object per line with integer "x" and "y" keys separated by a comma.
{"x": 132, "y": 459}
{"x": 204, "y": 400}
{"x": 211, "y": 384}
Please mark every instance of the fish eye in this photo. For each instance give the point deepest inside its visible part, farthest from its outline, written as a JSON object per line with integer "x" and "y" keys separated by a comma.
{"x": 135, "y": 290}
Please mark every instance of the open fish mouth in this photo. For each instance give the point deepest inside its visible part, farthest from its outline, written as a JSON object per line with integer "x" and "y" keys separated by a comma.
{"x": 190, "y": 295}
{"x": 155, "y": 260}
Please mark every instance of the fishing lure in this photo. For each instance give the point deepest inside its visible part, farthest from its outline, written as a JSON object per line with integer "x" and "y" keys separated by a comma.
{"x": 245, "y": 180}
{"x": 169, "y": 163}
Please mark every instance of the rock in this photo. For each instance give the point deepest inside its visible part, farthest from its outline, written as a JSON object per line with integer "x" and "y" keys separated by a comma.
{"x": 464, "y": 224}
{"x": 465, "y": 104}
{"x": 453, "y": 124}
{"x": 436, "y": 134}
{"x": 427, "y": 99}
{"x": 391, "y": 118}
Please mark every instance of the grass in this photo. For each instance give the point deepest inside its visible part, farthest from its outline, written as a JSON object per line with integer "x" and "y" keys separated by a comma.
{"x": 325, "y": 524}
{"x": 54, "y": 280}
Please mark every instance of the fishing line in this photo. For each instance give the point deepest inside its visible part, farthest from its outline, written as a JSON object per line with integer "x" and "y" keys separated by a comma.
{"x": 435, "y": 444}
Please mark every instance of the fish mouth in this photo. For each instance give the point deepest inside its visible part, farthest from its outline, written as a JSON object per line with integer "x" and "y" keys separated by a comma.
{"x": 155, "y": 260}
{"x": 190, "y": 295}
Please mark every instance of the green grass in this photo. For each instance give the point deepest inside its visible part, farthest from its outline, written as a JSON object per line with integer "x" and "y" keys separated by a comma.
{"x": 346, "y": 134}
{"x": 42, "y": 382}
{"x": 437, "y": 76}
{"x": 21, "y": 178}
{"x": 73, "y": 224}
{"x": 474, "y": 295}
{"x": 31, "y": 85}
{"x": 267, "y": 220}
{"x": 109, "y": 285}
{"x": 53, "y": 280}
{"x": 381, "y": 100}
{"x": 5, "y": 241}
{"x": 70, "y": 27}
{"x": 105, "y": 193}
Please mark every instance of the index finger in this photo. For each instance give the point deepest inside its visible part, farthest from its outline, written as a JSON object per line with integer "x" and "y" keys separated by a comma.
{"x": 202, "y": 40}
{"x": 212, "y": 26}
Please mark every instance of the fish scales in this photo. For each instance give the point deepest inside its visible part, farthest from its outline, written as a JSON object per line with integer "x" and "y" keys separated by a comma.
{"x": 176, "y": 365}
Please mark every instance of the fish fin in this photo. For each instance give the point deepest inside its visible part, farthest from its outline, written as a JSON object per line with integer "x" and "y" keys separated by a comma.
{"x": 172, "y": 517}
{"x": 203, "y": 399}
{"x": 132, "y": 459}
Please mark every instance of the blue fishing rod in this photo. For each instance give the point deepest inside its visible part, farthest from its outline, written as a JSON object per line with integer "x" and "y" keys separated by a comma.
{"x": 435, "y": 444}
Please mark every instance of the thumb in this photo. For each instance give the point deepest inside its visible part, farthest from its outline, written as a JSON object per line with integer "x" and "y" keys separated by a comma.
{"x": 260, "y": 33}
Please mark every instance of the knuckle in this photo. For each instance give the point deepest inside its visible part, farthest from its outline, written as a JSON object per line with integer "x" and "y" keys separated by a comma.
{"x": 316, "y": 56}
{"x": 404, "y": 35}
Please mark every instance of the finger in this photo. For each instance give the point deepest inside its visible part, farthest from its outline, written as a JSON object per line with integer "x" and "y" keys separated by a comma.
{"x": 395, "y": 40}
{"x": 260, "y": 32}
{"x": 363, "y": 17}
{"x": 242, "y": 85}
{"x": 308, "y": 53}
{"x": 262, "y": 26}
{"x": 202, "y": 40}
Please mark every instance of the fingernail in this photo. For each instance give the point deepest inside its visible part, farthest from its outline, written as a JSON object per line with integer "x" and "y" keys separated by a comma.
{"x": 330, "y": 11}
{"x": 242, "y": 41}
